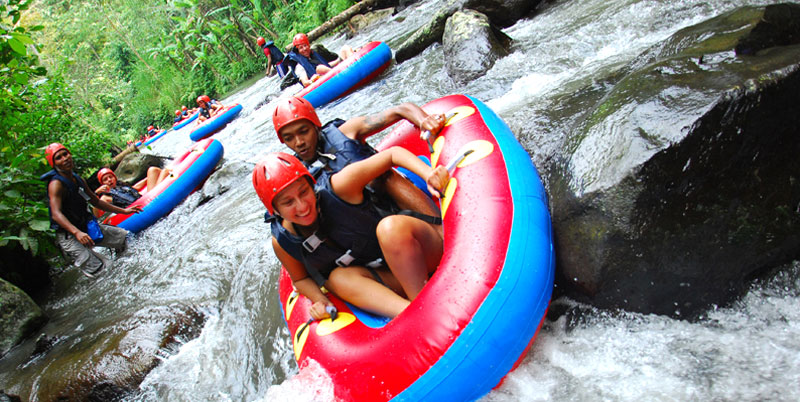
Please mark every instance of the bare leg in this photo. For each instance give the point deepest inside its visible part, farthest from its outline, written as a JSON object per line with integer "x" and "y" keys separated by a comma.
{"x": 156, "y": 175}
{"x": 413, "y": 250}
{"x": 357, "y": 286}
{"x": 321, "y": 70}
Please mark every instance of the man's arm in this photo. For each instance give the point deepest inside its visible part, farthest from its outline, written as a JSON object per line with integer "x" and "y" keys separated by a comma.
{"x": 361, "y": 127}
{"x": 55, "y": 191}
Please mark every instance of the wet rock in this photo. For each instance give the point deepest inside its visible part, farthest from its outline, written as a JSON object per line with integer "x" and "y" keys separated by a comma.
{"x": 4, "y": 397}
{"x": 106, "y": 392}
{"x": 43, "y": 345}
{"x": 500, "y": 13}
{"x": 428, "y": 34}
{"x": 223, "y": 179}
{"x": 19, "y": 267}
{"x": 780, "y": 26}
{"x": 19, "y": 316}
{"x": 111, "y": 364}
{"x": 361, "y": 21}
{"x": 471, "y": 45}
{"x": 682, "y": 182}
{"x": 134, "y": 167}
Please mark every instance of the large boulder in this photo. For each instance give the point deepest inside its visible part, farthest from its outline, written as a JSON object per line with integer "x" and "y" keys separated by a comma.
{"x": 682, "y": 181}
{"x": 502, "y": 13}
{"x": 471, "y": 45}
{"x": 134, "y": 167}
{"x": 111, "y": 365}
{"x": 19, "y": 316}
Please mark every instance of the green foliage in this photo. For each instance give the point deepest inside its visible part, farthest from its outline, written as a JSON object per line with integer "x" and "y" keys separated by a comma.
{"x": 110, "y": 69}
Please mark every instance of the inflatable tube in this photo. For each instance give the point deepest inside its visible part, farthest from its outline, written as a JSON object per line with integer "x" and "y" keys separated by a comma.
{"x": 188, "y": 172}
{"x": 179, "y": 125}
{"x": 152, "y": 139}
{"x": 362, "y": 67}
{"x": 215, "y": 123}
{"x": 481, "y": 309}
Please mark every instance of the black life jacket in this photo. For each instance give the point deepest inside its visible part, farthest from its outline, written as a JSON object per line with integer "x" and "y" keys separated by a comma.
{"x": 336, "y": 150}
{"x": 345, "y": 236}
{"x": 122, "y": 196}
{"x": 205, "y": 112}
{"x": 74, "y": 206}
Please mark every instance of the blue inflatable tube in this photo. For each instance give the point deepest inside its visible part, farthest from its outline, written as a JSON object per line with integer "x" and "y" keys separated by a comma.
{"x": 186, "y": 121}
{"x": 368, "y": 62}
{"x": 151, "y": 139}
{"x": 177, "y": 191}
{"x": 215, "y": 123}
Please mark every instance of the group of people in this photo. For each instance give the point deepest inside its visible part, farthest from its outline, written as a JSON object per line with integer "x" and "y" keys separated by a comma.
{"x": 301, "y": 61}
{"x": 183, "y": 113}
{"x": 339, "y": 215}
{"x": 342, "y": 218}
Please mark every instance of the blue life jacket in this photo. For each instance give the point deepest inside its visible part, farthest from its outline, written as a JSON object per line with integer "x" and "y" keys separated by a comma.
{"x": 274, "y": 52}
{"x": 309, "y": 63}
{"x": 177, "y": 119}
{"x": 74, "y": 205}
{"x": 151, "y": 132}
{"x": 345, "y": 236}
{"x": 336, "y": 150}
{"x": 122, "y": 196}
{"x": 205, "y": 112}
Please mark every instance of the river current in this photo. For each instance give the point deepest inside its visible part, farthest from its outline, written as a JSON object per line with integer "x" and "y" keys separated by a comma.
{"x": 213, "y": 250}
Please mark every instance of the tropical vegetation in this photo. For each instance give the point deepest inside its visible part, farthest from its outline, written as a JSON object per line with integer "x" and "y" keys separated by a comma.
{"x": 94, "y": 74}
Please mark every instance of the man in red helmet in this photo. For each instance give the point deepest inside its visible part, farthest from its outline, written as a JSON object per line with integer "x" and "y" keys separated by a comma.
{"x": 331, "y": 147}
{"x": 308, "y": 64}
{"x": 76, "y": 231}
{"x": 274, "y": 57}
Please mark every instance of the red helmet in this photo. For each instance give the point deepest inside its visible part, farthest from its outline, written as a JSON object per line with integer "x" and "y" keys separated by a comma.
{"x": 183, "y": 107}
{"x": 261, "y": 42}
{"x": 203, "y": 98}
{"x": 292, "y": 110}
{"x": 103, "y": 172}
{"x": 51, "y": 150}
{"x": 150, "y": 128}
{"x": 276, "y": 172}
{"x": 300, "y": 39}
{"x": 177, "y": 112}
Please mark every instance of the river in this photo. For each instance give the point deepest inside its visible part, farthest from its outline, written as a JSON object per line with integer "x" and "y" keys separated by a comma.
{"x": 213, "y": 252}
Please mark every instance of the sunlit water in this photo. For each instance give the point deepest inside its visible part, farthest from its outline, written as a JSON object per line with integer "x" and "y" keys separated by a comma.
{"x": 212, "y": 251}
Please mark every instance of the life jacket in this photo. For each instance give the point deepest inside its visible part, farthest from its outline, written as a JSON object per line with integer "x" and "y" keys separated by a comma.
{"x": 122, "y": 196}
{"x": 205, "y": 112}
{"x": 151, "y": 132}
{"x": 336, "y": 150}
{"x": 177, "y": 119}
{"x": 74, "y": 205}
{"x": 277, "y": 58}
{"x": 345, "y": 236}
{"x": 309, "y": 63}
{"x": 271, "y": 50}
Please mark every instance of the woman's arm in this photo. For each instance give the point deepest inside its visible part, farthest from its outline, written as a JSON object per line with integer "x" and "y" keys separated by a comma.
{"x": 302, "y": 281}
{"x": 349, "y": 182}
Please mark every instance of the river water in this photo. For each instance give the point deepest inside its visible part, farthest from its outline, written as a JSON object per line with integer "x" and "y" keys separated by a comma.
{"x": 213, "y": 250}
